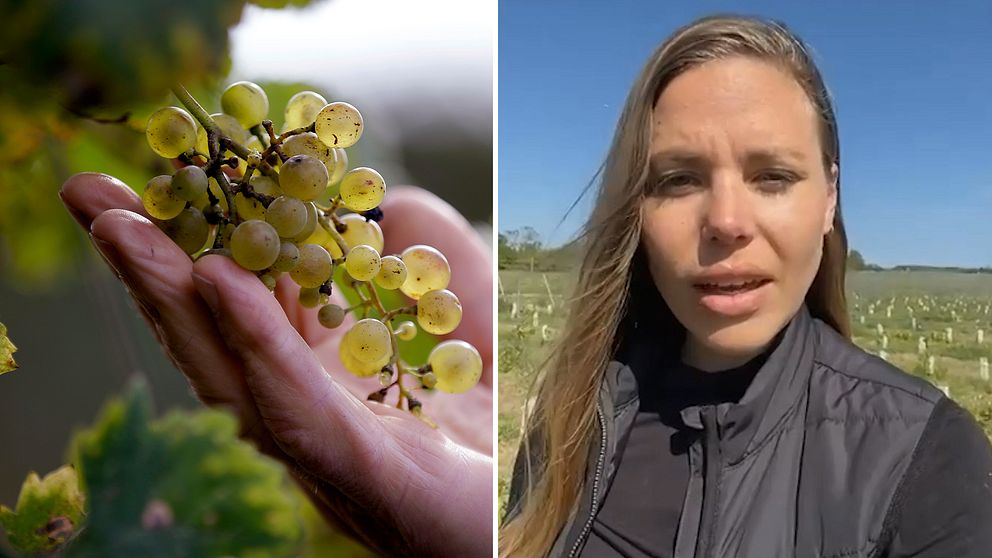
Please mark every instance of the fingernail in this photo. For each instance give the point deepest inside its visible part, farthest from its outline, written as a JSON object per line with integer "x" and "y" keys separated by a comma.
{"x": 207, "y": 290}
{"x": 109, "y": 253}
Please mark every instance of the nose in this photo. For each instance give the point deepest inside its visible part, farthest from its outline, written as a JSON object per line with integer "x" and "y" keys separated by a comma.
{"x": 727, "y": 218}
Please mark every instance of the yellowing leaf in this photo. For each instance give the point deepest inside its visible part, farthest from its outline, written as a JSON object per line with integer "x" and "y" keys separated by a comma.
{"x": 48, "y": 512}
{"x": 6, "y": 352}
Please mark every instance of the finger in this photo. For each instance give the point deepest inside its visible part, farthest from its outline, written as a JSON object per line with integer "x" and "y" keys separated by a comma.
{"x": 157, "y": 273}
{"x": 416, "y": 216}
{"x": 89, "y": 194}
{"x": 313, "y": 419}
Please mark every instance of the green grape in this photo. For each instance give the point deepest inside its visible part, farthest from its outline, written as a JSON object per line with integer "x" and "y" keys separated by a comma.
{"x": 229, "y": 127}
{"x": 190, "y": 183}
{"x": 255, "y": 245}
{"x": 426, "y": 270}
{"x": 269, "y": 280}
{"x": 265, "y": 185}
{"x": 203, "y": 202}
{"x": 302, "y": 109}
{"x": 439, "y": 312}
{"x": 386, "y": 378}
{"x": 362, "y": 262}
{"x": 245, "y": 101}
{"x": 288, "y": 215}
{"x": 362, "y": 189}
{"x": 330, "y": 316}
{"x": 392, "y": 273}
{"x": 369, "y": 340}
{"x": 226, "y": 232}
{"x": 456, "y": 365}
{"x": 339, "y": 125}
{"x": 428, "y": 380}
{"x": 189, "y": 230}
{"x": 356, "y": 366}
{"x": 249, "y": 208}
{"x": 160, "y": 199}
{"x": 311, "y": 298}
{"x": 171, "y": 131}
{"x": 289, "y": 257}
{"x": 359, "y": 231}
{"x": 340, "y": 167}
{"x": 310, "y": 228}
{"x": 406, "y": 331}
{"x": 315, "y": 266}
{"x": 304, "y": 177}
{"x": 308, "y": 144}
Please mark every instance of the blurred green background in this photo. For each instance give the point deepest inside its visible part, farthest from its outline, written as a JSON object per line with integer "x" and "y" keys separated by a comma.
{"x": 77, "y": 81}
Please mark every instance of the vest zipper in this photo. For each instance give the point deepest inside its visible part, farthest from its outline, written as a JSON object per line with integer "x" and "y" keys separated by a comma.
{"x": 593, "y": 507}
{"x": 711, "y": 484}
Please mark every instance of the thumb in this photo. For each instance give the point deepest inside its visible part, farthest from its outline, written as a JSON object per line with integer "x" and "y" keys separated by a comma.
{"x": 313, "y": 419}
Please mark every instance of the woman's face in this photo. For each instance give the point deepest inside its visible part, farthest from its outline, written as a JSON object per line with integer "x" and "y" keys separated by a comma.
{"x": 738, "y": 203}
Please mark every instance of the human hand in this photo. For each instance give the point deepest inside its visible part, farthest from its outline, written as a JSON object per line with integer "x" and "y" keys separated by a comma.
{"x": 378, "y": 472}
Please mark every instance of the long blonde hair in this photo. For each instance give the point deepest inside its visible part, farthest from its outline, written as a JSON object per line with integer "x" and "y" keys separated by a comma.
{"x": 563, "y": 415}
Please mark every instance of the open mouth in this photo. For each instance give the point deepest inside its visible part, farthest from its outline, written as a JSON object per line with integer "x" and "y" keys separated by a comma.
{"x": 731, "y": 288}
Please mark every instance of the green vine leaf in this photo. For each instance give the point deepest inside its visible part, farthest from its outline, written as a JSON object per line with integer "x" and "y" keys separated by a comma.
{"x": 182, "y": 485}
{"x": 7, "y": 350}
{"x": 48, "y": 512}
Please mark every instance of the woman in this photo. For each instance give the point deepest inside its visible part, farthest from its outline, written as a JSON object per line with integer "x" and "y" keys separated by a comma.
{"x": 705, "y": 399}
{"x": 378, "y": 473}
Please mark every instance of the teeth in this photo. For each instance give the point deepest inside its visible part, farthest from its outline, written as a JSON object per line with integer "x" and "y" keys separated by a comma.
{"x": 732, "y": 286}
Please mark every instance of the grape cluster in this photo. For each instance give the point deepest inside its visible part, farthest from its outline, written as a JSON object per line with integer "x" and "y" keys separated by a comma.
{"x": 287, "y": 204}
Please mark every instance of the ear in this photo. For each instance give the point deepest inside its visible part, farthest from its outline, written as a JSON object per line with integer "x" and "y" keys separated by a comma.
{"x": 831, "y": 209}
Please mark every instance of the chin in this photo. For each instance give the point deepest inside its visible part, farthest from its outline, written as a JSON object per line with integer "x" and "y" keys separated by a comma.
{"x": 740, "y": 337}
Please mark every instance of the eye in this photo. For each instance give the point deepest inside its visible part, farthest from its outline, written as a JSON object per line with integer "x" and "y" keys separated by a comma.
{"x": 775, "y": 180}
{"x": 675, "y": 182}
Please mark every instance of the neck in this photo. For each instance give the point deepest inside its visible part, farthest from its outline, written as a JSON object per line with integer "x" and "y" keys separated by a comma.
{"x": 708, "y": 359}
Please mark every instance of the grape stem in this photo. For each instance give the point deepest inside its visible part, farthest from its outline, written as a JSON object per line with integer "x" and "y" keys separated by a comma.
{"x": 257, "y": 131}
{"x": 410, "y": 310}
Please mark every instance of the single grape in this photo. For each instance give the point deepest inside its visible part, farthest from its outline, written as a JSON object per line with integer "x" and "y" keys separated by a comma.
{"x": 426, "y": 270}
{"x": 359, "y": 231}
{"x": 303, "y": 176}
{"x": 310, "y": 227}
{"x": 439, "y": 312}
{"x": 340, "y": 167}
{"x": 369, "y": 340}
{"x": 255, "y": 245}
{"x": 311, "y": 298}
{"x": 263, "y": 184}
{"x": 249, "y": 208}
{"x": 362, "y": 262}
{"x": 170, "y": 132}
{"x": 229, "y": 127}
{"x": 190, "y": 183}
{"x": 289, "y": 257}
{"x": 392, "y": 273}
{"x": 330, "y": 316}
{"x": 160, "y": 199}
{"x": 362, "y": 189}
{"x": 288, "y": 215}
{"x": 356, "y": 366}
{"x": 321, "y": 237}
{"x": 339, "y": 125}
{"x": 406, "y": 331}
{"x": 269, "y": 280}
{"x": 456, "y": 365}
{"x": 302, "y": 109}
{"x": 245, "y": 101}
{"x": 314, "y": 268}
{"x": 308, "y": 144}
{"x": 386, "y": 378}
{"x": 189, "y": 229}
{"x": 428, "y": 380}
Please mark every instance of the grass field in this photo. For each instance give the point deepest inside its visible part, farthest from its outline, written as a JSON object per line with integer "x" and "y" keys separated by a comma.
{"x": 908, "y": 305}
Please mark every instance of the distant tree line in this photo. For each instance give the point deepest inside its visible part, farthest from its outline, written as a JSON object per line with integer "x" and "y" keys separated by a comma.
{"x": 523, "y": 249}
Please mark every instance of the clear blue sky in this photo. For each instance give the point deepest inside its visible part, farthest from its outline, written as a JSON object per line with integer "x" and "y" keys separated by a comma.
{"x": 912, "y": 87}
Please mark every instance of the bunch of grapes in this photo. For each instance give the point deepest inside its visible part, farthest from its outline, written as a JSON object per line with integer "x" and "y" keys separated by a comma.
{"x": 287, "y": 203}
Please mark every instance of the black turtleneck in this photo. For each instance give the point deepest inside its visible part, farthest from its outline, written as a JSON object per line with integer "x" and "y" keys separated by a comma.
{"x": 640, "y": 516}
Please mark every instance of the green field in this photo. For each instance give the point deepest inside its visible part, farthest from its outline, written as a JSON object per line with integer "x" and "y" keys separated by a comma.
{"x": 937, "y": 300}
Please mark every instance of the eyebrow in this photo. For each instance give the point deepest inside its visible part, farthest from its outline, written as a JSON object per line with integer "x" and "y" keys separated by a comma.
{"x": 685, "y": 158}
